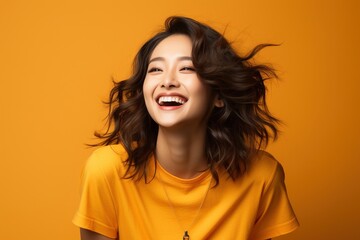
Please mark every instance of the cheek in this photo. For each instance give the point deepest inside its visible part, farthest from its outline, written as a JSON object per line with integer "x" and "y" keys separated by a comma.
{"x": 147, "y": 89}
{"x": 203, "y": 91}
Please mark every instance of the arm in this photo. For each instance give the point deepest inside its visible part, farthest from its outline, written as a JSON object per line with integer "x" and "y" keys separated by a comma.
{"x": 90, "y": 235}
{"x": 96, "y": 215}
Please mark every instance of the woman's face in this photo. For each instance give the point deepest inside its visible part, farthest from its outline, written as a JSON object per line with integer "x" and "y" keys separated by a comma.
{"x": 174, "y": 94}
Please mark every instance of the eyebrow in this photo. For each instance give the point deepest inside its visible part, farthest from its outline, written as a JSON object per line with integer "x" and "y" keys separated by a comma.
{"x": 163, "y": 59}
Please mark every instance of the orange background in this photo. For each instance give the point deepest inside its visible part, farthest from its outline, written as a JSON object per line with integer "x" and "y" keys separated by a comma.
{"x": 57, "y": 59}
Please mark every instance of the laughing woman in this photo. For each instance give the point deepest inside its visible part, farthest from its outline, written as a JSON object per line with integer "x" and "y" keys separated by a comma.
{"x": 184, "y": 158}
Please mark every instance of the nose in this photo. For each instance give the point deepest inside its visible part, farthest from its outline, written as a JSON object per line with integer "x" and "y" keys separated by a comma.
{"x": 170, "y": 81}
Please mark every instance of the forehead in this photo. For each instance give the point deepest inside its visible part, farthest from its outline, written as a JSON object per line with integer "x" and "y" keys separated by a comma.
{"x": 177, "y": 44}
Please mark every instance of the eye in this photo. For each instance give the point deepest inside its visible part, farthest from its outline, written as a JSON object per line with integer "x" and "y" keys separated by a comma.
{"x": 154, "y": 69}
{"x": 191, "y": 69}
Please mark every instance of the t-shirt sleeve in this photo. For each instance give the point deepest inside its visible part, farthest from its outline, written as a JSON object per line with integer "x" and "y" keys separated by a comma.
{"x": 97, "y": 211}
{"x": 275, "y": 215}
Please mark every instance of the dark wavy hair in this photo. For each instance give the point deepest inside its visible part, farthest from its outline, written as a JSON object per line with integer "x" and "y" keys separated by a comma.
{"x": 235, "y": 131}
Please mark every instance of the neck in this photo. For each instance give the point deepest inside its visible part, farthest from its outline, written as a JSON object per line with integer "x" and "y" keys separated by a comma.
{"x": 182, "y": 153}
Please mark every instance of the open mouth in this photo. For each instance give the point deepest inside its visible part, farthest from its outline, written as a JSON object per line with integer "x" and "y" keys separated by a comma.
{"x": 171, "y": 101}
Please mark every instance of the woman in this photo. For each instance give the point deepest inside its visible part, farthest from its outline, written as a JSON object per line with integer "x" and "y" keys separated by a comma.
{"x": 183, "y": 157}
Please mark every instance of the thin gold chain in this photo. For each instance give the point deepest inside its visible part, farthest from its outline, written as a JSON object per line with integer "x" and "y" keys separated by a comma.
{"x": 174, "y": 209}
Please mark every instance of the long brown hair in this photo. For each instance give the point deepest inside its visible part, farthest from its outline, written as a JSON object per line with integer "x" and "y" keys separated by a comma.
{"x": 234, "y": 132}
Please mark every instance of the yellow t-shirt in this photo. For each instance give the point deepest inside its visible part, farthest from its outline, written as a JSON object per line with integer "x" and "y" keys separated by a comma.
{"x": 253, "y": 207}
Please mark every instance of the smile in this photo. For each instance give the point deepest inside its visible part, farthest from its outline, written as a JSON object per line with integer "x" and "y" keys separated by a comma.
{"x": 171, "y": 101}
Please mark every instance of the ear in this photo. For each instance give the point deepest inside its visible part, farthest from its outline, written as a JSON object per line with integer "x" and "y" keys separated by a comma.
{"x": 218, "y": 102}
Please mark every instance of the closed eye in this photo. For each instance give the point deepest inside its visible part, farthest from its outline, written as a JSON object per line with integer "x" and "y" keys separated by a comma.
{"x": 154, "y": 70}
{"x": 188, "y": 69}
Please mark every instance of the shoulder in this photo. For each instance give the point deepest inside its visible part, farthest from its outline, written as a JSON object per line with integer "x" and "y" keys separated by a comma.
{"x": 106, "y": 159}
{"x": 264, "y": 167}
{"x": 110, "y": 152}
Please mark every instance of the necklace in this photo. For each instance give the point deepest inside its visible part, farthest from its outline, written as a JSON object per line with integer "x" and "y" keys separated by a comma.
{"x": 186, "y": 232}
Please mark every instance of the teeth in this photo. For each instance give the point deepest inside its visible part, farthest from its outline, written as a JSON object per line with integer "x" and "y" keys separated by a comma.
{"x": 166, "y": 99}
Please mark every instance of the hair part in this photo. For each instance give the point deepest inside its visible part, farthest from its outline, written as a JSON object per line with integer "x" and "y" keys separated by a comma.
{"x": 235, "y": 132}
